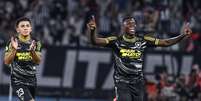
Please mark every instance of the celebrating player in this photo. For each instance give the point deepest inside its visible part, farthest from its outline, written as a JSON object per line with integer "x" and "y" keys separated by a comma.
{"x": 128, "y": 50}
{"x": 23, "y": 54}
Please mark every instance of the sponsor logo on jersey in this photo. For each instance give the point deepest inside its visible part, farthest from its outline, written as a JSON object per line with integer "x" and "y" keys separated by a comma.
{"x": 24, "y": 56}
{"x": 130, "y": 53}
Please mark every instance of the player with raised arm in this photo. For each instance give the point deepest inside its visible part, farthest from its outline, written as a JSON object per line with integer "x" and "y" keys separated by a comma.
{"x": 128, "y": 50}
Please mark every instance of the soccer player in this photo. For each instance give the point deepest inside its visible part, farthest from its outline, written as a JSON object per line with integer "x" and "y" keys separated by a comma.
{"x": 128, "y": 50}
{"x": 23, "y": 54}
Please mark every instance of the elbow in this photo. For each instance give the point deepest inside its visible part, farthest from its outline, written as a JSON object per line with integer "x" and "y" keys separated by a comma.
{"x": 93, "y": 42}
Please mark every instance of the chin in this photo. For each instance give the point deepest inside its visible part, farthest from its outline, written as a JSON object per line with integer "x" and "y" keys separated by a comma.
{"x": 25, "y": 34}
{"x": 131, "y": 34}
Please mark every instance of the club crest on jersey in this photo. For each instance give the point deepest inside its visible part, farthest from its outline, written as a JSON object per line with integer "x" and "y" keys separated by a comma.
{"x": 138, "y": 44}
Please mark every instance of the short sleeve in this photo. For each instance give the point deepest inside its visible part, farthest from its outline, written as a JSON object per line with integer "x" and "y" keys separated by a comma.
{"x": 151, "y": 41}
{"x": 110, "y": 41}
{"x": 8, "y": 47}
{"x": 38, "y": 46}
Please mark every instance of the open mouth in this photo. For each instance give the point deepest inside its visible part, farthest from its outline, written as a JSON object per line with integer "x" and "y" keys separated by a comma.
{"x": 25, "y": 32}
{"x": 132, "y": 30}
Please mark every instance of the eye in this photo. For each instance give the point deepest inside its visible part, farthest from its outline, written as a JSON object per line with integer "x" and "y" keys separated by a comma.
{"x": 22, "y": 25}
{"x": 27, "y": 25}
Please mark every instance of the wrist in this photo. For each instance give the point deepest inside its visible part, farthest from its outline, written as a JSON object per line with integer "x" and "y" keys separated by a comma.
{"x": 13, "y": 49}
{"x": 32, "y": 51}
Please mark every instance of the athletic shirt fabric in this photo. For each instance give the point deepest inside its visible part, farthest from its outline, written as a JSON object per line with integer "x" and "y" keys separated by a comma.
{"x": 128, "y": 57}
{"x": 23, "y": 69}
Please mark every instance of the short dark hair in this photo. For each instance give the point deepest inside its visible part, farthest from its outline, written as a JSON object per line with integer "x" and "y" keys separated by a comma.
{"x": 126, "y": 18}
{"x": 22, "y": 19}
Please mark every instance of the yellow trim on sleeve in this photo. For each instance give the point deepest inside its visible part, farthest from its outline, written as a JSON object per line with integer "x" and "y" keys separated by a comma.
{"x": 149, "y": 38}
{"x": 156, "y": 41}
{"x": 107, "y": 41}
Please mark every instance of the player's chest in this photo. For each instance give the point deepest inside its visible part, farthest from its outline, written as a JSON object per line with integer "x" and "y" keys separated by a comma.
{"x": 23, "y": 52}
{"x": 130, "y": 50}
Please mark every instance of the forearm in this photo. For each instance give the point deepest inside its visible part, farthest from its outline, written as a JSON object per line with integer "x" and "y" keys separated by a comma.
{"x": 96, "y": 40}
{"x": 93, "y": 36}
{"x": 171, "y": 41}
{"x": 36, "y": 56}
{"x": 9, "y": 56}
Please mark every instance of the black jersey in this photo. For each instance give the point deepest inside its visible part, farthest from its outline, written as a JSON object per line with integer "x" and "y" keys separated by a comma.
{"x": 23, "y": 69}
{"x": 128, "y": 54}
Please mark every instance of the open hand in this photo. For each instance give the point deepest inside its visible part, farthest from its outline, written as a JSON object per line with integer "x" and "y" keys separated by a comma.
{"x": 32, "y": 47}
{"x": 14, "y": 43}
{"x": 187, "y": 30}
{"x": 92, "y": 24}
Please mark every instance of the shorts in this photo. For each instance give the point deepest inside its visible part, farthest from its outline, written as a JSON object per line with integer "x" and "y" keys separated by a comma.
{"x": 134, "y": 91}
{"x": 24, "y": 92}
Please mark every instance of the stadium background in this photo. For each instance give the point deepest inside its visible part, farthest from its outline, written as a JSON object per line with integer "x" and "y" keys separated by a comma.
{"x": 73, "y": 70}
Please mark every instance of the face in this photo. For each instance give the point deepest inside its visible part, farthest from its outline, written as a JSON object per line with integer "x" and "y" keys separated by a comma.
{"x": 24, "y": 28}
{"x": 129, "y": 26}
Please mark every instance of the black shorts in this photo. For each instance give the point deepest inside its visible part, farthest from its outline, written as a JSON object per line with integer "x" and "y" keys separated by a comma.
{"x": 130, "y": 91}
{"x": 24, "y": 92}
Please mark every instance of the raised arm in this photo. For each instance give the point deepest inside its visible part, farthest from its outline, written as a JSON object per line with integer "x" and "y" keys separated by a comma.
{"x": 92, "y": 34}
{"x": 170, "y": 41}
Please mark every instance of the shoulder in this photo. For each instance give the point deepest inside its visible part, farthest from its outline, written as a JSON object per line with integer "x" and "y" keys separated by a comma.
{"x": 112, "y": 38}
{"x": 34, "y": 38}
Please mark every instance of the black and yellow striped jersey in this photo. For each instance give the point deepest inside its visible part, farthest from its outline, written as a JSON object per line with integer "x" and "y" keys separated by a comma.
{"x": 128, "y": 55}
{"x": 23, "y": 69}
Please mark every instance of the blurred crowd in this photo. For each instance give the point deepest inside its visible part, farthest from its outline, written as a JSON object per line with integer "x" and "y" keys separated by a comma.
{"x": 63, "y": 22}
{"x": 183, "y": 88}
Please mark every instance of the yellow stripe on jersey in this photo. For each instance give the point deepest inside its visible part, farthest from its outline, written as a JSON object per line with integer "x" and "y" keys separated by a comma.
{"x": 156, "y": 41}
{"x": 109, "y": 39}
{"x": 148, "y": 38}
{"x": 38, "y": 46}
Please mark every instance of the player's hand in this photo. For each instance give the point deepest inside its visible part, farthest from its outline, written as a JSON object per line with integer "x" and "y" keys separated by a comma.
{"x": 187, "y": 30}
{"x": 14, "y": 43}
{"x": 92, "y": 24}
{"x": 32, "y": 47}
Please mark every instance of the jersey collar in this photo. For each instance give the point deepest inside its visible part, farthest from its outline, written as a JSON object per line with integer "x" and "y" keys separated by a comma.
{"x": 24, "y": 39}
{"x": 129, "y": 40}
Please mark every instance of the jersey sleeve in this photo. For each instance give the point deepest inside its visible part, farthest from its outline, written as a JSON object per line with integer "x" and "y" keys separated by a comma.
{"x": 111, "y": 41}
{"x": 8, "y": 47}
{"x": 151, "y": 41}
{"x": 38, "y": 46}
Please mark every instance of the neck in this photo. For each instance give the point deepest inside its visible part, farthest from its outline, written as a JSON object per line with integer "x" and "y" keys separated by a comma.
{"x": 129, "y": 38}
{"x": 24, "y": 38}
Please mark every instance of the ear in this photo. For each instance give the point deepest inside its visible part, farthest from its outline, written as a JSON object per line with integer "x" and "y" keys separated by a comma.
{"x": 31, "y": 29}
{"x": 17, "y": 30}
